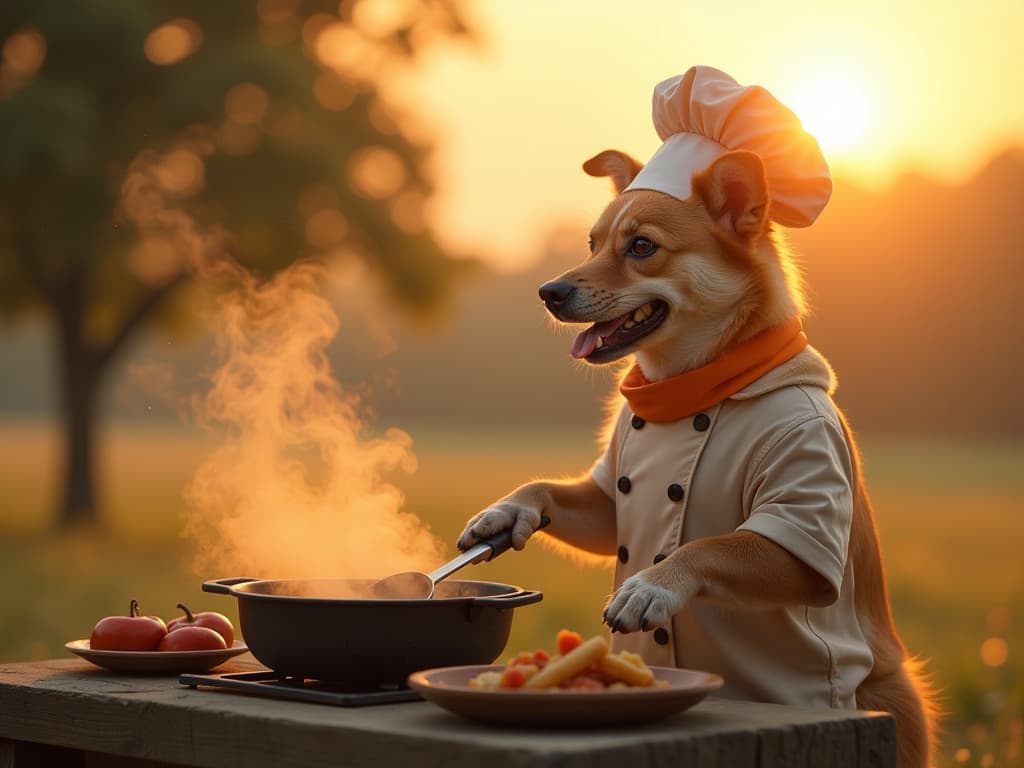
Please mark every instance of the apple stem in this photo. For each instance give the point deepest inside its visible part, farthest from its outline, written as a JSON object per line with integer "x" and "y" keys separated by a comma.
{"x": 133, "y": 609}
{"x": 188, "y": 614}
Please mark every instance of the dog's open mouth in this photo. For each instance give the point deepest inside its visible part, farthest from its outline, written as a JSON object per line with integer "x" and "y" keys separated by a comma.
{"x": 608, "y": 340}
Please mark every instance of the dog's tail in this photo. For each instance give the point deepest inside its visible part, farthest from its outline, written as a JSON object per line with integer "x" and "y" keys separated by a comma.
{"x": 898, "y": 683}
{"x": 908, "y": 693}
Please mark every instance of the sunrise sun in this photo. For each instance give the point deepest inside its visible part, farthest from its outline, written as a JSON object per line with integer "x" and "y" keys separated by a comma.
{"x": 835, "y": 110}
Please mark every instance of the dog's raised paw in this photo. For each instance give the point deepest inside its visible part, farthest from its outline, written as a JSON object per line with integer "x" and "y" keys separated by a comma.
{"x": 523, "y": 521}
{"x": 640, "y": 605}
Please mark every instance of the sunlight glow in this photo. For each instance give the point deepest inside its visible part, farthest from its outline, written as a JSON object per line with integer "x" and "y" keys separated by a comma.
{"x": 886, "y": 88}
{"x": 246, "y": 103}
{"x": 379, "y": 18}
{"x": 376, "y": 172}
{"x": 333, "y": 93}
{"x": 21, "y": 57}
{"x": 343, "y": 48}
{"x": 181, "y": 172}
{"x": 835, "y": 110}
{"x": 326, "y": 227}
{"x": 994, "y": 652}
{"x": 172, "y": 42}
{"x": 24, "y": 52}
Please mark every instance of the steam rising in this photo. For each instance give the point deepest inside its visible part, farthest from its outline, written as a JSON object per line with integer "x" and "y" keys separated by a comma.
{"x": 298, "y": 488}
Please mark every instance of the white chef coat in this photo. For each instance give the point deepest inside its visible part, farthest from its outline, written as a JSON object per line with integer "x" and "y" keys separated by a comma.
{"x": 772, "y": 459}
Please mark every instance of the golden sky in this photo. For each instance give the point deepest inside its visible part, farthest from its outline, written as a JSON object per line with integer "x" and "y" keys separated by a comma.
{"x": 933, "y": 86}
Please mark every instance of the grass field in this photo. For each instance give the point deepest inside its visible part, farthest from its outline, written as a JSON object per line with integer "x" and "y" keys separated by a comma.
{"x": 951, "y": 518}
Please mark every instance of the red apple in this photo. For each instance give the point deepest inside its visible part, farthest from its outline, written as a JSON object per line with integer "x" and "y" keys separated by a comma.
{"x": 128, "y": 633}
{"x": 218, "y": 622}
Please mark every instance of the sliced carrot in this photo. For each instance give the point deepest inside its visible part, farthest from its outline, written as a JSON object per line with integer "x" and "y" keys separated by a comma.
{"x": 541, "y": 657}
{"x": 566, "y": 640}
{"x": 512, "y": 677}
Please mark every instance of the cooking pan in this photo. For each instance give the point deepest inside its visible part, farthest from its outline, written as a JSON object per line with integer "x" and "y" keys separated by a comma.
{"x": 328, "y": 630}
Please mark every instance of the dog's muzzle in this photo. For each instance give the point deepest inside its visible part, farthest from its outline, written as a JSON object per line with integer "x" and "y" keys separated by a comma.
{"x": 556, "y": 294}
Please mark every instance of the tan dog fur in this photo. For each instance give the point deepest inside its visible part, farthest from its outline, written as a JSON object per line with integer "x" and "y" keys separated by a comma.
{"x": 726, "y": 277}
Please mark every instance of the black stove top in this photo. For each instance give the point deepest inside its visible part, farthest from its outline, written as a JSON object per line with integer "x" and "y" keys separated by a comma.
{"x": 276, "y": 686}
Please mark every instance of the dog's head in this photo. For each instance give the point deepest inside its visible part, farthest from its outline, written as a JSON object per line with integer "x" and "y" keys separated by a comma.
{"x": 677, "y": 282}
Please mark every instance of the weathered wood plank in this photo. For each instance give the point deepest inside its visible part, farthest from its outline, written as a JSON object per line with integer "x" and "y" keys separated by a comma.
{"x": 15, "y": 754}
{"x": 876, "y": 742}
{"x": 69, "y": 704}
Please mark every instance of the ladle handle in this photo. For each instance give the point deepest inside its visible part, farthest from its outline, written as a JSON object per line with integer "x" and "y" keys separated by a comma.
{"x": 491, "y": 547}
{"x": 502, "y": 541}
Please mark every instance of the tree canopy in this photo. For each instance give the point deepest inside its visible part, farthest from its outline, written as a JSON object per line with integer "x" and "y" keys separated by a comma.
{"x": 139, "y": 140}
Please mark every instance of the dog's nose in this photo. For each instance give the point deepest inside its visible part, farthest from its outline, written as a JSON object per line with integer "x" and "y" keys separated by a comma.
{"x": 556, "y": 293}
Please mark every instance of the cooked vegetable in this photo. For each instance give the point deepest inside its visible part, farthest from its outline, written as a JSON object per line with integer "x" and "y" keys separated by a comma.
{"x": 580, "y": 666}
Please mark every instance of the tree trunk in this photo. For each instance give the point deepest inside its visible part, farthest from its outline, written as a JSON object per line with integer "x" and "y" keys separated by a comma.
{"x": 82, "y": 366}
{"x": 79, "y": 372}
{"x": 78, "y": 506}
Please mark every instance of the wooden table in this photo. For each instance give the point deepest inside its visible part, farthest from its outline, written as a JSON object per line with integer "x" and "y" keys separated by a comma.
{"x": 68, "y": 713}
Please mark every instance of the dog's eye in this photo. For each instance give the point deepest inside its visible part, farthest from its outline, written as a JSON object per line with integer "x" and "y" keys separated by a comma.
{"x": 641, "y": 248}
{"x": 590, "y": 244}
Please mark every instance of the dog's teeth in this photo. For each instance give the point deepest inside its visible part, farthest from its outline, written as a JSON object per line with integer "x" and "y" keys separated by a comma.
{"x": 638, "y": 316}
{"x": 600, "y": 343}
{"x": 629, "y": 324}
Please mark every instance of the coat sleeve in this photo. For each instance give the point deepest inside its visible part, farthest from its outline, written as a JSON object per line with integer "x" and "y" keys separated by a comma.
{"x": 799, "y": 495}
{"x": 603, "y": 472}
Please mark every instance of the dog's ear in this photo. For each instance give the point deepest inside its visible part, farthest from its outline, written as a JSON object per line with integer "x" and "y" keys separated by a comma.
{"x": 735, "y": 190}
{"x": 619, "y": 166}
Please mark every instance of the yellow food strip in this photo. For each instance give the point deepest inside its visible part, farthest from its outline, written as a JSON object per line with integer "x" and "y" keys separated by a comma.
{"x": 561, "y": 668}
{"x": 618, "y": 668}
{"x": 633, "y": 658}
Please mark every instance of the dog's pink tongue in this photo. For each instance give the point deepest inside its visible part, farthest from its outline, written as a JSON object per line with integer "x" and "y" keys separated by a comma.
{"x": 586, "y": 342}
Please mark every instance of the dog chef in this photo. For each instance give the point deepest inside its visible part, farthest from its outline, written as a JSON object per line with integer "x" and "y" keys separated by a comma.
{"x": 732, "y": 423}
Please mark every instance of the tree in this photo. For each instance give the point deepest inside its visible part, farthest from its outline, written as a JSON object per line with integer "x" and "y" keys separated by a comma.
{"x": 142, "y": 141}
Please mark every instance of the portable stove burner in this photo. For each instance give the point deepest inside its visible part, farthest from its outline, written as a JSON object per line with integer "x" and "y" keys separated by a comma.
{"x": 276, "y": 686}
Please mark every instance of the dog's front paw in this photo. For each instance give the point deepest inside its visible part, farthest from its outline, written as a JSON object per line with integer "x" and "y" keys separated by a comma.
{"x": 521, "y": 518}
{"x": 639, "y": 604}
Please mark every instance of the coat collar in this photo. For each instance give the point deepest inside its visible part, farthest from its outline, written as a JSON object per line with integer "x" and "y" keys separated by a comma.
{"x": 808, "y": 368}
{"x": 676, "y": 397}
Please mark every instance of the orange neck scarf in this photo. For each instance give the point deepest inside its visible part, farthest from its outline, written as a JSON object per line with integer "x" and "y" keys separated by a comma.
{"x": 697, "y": 390}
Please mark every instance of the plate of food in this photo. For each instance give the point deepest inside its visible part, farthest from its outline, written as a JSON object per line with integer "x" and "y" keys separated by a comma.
{"x": 156, "y": 662}
{"x": 583, "y": 685}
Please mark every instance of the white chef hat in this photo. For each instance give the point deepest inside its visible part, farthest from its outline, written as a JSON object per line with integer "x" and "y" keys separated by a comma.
{"x": 704, "y": 113}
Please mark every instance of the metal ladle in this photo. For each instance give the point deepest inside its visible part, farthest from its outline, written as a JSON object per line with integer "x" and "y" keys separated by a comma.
{"x": 416, "y": 585}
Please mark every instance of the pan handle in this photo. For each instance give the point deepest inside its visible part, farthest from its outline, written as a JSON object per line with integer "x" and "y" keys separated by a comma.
{"x": 511, "y": 600}
{"x": 223, "y": 586}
